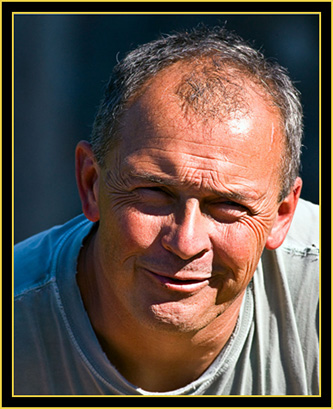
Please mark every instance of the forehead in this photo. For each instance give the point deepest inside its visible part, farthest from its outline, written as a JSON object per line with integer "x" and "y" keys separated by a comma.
{"x": 162, "y": 106}
{"x": 156, "y": 133}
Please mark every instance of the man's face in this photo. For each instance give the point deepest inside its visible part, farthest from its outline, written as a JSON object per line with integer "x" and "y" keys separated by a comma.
{"x": 185, "y": 209}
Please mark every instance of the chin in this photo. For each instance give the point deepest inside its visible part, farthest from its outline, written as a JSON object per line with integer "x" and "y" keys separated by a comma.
{"x": 180, "y": 318}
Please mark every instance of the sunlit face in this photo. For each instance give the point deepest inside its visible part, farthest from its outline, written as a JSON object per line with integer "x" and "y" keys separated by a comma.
{"x": 185, "y": 208}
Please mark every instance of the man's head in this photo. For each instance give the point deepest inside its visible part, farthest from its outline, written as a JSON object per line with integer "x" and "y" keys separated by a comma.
{"x": 189, "y": 194}
{"x": 214, "y": 59}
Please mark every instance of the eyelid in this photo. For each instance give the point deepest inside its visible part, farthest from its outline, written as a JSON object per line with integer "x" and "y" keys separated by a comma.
{"x": 161, "y": 188}
{"x": 227, "y": 201}
{"x": 157, "y": 189}
{"x": 228, "y": 211}
{"x": 232, "y": 203}
{"x": 231, "y": 207}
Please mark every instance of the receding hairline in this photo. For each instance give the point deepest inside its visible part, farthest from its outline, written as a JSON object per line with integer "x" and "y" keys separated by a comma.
{"x": 203, "y": 66}
{"x": 140, "y": 65}
{"x": 238, "y": 79}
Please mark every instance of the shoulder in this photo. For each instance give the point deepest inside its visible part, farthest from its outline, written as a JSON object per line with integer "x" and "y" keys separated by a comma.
{"x": 297, "y": 258}
{"x": 295, "y": 264}
{"x": 286, "y": 288}
{"x": 299, "y": 253}
{"x": 33, "y": 257}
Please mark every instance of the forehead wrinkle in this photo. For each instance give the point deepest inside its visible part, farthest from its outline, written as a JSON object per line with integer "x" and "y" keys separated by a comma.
{"x": 225, "y": 194}
{"x": 190, "y": 157}
{"x": 146, "y": 176}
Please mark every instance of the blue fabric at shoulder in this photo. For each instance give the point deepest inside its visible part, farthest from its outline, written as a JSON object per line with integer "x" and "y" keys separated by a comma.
{"x": 33, "y": 256}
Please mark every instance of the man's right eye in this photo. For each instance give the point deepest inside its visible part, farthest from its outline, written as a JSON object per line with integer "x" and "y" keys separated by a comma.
{"x": 153, "y": 200}
{"x": 154, "y": 194}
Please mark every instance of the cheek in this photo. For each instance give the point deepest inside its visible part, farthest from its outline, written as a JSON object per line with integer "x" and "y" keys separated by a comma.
{"x": 137, "y": 230}
{"x": 239, "y": 248}
{"x": 242, "y": 244}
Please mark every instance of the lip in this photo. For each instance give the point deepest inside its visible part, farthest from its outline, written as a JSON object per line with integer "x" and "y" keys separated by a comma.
{"x": 180, "y": 285}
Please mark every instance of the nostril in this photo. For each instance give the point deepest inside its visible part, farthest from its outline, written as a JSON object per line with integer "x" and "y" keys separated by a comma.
{"x": 199, "y": 255}
{"x": 184, "y": 249}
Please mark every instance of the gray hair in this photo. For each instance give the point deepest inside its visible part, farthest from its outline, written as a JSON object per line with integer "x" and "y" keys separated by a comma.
{"x": 224, "y": 49}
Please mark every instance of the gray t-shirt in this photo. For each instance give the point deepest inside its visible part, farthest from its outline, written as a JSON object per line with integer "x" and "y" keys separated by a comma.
{"x": 273, "y": 350}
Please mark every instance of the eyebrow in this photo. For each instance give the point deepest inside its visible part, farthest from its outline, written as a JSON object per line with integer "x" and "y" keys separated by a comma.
{"x": 154, "y": 179}
{"x": 236, "y": 196}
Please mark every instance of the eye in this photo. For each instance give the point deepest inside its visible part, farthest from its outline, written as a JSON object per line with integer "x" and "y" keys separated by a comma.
{"x": 154, "y": 194}
{"x": 229, "y": 203}
{"x": 227, "y": 211}
{"x": 155, "y": 201}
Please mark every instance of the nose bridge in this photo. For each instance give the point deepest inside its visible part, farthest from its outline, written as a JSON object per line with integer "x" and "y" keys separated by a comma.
{"x": 188, "y": 236}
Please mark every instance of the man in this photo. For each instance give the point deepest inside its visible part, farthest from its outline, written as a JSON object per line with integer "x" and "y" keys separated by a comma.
{"x": 192, "y": 272}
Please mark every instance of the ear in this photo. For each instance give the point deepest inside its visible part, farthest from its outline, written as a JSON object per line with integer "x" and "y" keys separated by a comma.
{"x": 284, "y": 217}
{"x": 87, "y": 179}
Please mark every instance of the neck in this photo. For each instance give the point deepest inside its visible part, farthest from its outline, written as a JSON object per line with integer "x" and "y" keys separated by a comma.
{"x": 152, "y": 358}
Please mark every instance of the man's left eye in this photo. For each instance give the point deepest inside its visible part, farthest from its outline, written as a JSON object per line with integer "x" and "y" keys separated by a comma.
{"x": 233, "y": 205}
{"x": 227, "y": 211}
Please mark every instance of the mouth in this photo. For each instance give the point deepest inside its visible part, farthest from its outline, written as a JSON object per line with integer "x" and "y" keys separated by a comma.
{"x": 180, "y": 284}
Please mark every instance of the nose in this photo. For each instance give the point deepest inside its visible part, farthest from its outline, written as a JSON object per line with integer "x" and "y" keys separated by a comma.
{"x": 188, "y": 236}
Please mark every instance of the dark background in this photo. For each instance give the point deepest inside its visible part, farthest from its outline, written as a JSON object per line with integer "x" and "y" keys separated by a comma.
{"x": 61, "y": 64}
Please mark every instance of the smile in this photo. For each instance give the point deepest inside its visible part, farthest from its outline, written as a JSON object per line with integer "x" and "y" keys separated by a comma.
{"x": 180, "y": 285}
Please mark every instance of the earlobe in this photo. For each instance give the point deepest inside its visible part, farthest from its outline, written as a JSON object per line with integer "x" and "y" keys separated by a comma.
{"x": 87, "y": 179}
{"x": 284, "y": 217}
